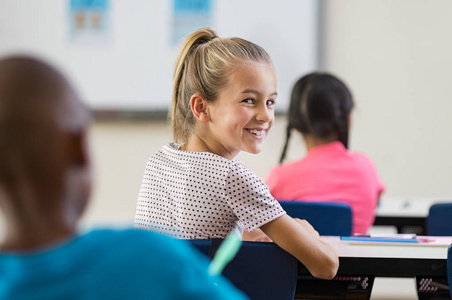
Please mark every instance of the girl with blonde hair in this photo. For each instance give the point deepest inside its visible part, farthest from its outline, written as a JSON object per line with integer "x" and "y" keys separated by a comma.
{"x": 193, "y": 188}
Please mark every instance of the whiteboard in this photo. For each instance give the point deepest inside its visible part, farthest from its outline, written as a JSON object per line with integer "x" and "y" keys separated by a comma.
{"x": 132, "y": 68}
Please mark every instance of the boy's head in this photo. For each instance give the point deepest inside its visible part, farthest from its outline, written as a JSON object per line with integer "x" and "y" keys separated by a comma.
{"x": 44, "y": 162}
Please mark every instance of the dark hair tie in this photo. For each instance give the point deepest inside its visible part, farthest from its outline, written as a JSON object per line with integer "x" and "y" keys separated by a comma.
{"x": 214, "y": 37}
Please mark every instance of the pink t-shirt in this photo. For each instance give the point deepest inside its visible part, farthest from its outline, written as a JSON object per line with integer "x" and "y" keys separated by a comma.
{"x": 331, "y": 173}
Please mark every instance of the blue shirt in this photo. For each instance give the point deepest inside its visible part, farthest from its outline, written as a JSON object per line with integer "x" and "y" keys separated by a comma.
{"x": 110, "y": 264}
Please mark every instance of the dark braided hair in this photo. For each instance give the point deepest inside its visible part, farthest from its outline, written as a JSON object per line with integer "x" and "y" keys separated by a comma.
{"x": 320, "y": 105}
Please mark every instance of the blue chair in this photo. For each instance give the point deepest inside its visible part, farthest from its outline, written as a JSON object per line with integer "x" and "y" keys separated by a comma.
{"x": 449, "y": 269}
{"x": 328, "y": 218}
{"x": 262, "y": 271}
{"x": 439, "y": 219}
{"x": 202, "y": 245}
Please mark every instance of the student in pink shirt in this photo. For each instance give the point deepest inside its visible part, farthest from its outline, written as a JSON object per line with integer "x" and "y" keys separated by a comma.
{"x": 320, "y": 110}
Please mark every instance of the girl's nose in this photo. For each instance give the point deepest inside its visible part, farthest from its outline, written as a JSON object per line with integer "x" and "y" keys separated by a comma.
{"x": 265, "y": 114}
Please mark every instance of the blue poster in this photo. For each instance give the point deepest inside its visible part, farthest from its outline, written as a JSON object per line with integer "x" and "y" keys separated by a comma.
{"x": 189, "y": 15}
{"x": 89, "y": 20}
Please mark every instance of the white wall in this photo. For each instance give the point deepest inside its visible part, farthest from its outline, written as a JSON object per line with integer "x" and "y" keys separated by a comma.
{"x": 132, "y": 67}
{"x": 397, "y": 58}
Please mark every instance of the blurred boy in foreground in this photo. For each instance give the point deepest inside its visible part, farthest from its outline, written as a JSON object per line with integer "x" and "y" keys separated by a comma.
{"x": 45, "y": 184}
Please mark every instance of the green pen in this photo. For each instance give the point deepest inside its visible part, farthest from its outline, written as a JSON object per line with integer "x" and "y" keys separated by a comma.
{"x": 225, "y": 253}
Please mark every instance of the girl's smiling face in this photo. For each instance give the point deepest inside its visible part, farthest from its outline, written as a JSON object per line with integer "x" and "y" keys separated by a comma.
{"x": 243, "y": 114}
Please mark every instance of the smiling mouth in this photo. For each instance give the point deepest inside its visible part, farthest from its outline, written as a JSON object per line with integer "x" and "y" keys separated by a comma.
{"x": 257, "y": 133}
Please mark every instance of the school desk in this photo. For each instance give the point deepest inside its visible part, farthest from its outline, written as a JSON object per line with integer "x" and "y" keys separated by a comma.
{"x": 361, "y": 262}
{"x": 408, "y": 215}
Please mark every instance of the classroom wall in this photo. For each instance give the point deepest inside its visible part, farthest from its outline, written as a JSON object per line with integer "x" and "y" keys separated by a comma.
{"x": 129, "y": 65}
{"x": 396, "y": 57}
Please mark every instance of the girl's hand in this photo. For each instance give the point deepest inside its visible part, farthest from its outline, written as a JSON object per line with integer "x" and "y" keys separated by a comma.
{"x": 300, "y": 239}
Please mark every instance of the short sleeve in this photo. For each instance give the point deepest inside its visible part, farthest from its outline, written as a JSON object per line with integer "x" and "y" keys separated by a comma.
{"x": 249, "y": 197}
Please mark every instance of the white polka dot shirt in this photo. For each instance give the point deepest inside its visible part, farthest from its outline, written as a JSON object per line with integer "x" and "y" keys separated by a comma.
{"x": 201, "y": 195}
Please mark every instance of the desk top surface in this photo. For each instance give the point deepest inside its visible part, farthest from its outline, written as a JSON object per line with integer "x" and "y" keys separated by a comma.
{"x": 437, "y": 248}
{"x": 407, "y": 207}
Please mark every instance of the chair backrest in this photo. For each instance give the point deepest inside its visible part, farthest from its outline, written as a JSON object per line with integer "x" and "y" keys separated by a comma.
{"x": 202, "y": 245}
{"x": 439, "y": 219}
{"x": 262, "y": 271}
{"x": 328, "y": 218}
{"x": 449, "y": 269}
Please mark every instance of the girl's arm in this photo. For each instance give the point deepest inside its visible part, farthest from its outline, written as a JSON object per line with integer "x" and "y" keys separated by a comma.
{"x": 256, "y": 236}
{"x": 300, "y": 239}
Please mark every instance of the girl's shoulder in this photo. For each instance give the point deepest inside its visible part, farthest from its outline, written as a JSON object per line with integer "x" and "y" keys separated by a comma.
{"x": 174, "y": 150}
{"x": 238, "y": 171}
{"x": 238, "y": 166}
{"x": 360, "y": 157}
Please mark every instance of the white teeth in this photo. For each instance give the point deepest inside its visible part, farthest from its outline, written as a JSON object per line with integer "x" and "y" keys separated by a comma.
{"x": 257, "y": 132}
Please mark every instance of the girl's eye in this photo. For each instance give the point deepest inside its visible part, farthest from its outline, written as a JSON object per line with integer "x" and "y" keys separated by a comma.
{"x": 248, "y": 101}
{"x": 270, "y": 102}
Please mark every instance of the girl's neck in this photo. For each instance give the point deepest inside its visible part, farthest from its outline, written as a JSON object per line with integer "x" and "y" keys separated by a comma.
{"x": 312, "y": 141}
{"x": 197, "y": 143}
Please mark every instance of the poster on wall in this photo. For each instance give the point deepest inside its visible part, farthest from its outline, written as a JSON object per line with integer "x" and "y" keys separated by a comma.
{"x": 89, "y": 21}
{"x": 189, "y": 15}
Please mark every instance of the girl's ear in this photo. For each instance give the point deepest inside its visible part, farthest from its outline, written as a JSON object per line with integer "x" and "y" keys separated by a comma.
{"x": 199, "y": 108}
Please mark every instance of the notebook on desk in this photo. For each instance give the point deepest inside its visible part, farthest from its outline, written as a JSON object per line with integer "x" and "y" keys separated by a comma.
{"x": 402, "y": 240}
